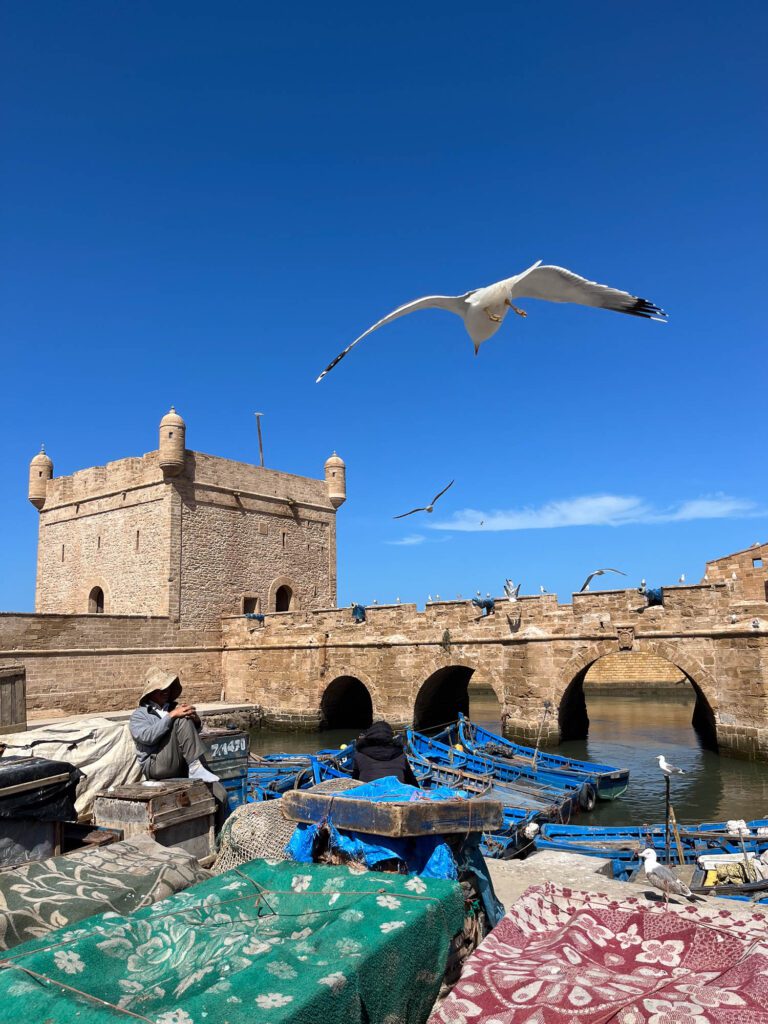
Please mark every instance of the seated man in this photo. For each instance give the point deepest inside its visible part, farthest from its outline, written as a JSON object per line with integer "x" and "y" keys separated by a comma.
{"x": 378, "y": 753}
{"x": 166, "y": 735}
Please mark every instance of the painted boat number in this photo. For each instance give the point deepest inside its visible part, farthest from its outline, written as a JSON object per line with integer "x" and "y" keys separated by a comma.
{"x": 237, "y": 746}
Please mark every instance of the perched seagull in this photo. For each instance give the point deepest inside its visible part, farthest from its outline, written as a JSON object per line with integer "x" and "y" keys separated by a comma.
{"x": 426, "y": 508}
{"x": 598, "y": 572}
{"x": 662, "y": 878}
{"x": 483, "y": 309}
{"x": 667, "y": 768}
{"x": 511, "y": 591}
{"x": 543, "y": 590}
{"x": 682, "y": 578}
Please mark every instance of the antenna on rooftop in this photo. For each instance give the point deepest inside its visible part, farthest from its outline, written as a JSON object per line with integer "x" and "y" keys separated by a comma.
{"x": 258, "y": 416}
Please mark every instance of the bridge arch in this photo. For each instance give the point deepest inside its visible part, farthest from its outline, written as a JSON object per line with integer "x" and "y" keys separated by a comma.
{"x": 442, "y": 695}
{"x": 573, "y": 720}
{"x": 346, "y": 703}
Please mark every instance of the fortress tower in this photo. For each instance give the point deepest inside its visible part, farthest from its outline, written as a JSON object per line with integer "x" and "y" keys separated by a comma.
{"x": 179, "y": 534}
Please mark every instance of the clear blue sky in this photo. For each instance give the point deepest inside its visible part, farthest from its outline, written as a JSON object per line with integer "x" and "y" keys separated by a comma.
{"x": 203, "y": 203}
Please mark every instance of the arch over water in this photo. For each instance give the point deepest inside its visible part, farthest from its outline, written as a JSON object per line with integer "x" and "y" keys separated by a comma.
{"x": 573, "y": 718}
{"x": 442, "y": 696}
{"x": 346, "y": 704}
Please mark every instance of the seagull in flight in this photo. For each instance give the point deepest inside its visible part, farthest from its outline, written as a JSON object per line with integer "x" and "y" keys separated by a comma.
{"x": 426, "y": 508}
{"x": 598, "y": 572}
{"x": 662, "y": 878}
{"x": 510, "y": 590}
{"x": 483, "y": 309}
{"x": 667, "y": 768}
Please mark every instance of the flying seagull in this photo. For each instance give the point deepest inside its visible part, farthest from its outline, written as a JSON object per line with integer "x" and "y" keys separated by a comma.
{"x": 667, "y": 768}
{"x": 662, "y": 878}
{"x": 511, "y": 591}
{"x": 483, "y": 309}
{"x": 598, "y": 572}
{"x": 427, "y": 508}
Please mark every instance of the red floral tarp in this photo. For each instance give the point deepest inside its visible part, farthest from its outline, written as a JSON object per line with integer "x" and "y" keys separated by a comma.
{"x": 560, "y": 955}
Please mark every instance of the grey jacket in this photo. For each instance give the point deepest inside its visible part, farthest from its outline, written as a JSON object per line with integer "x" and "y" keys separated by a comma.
{"x": 148, "y": 729}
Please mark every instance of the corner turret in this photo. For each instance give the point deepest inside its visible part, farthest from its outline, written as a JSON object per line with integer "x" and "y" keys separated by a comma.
{"x": 336, "y": 480}
{"x": 173, "y": 432}
{"x": 40, "y": 472}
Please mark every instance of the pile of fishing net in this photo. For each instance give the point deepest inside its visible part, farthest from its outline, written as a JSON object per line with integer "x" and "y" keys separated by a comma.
{"x": 260, "y": 830}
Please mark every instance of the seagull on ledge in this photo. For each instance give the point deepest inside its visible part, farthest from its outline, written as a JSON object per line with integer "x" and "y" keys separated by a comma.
{"x": 667, "y": 768}
{"x": 483, "y": 309}
{"x": 426, "y": 508}
{"x": 662, "y": 878}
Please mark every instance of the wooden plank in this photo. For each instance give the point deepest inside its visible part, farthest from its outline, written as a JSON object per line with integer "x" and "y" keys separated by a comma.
{"x": 409, "y": 818}
{"x": 22, "y": 787}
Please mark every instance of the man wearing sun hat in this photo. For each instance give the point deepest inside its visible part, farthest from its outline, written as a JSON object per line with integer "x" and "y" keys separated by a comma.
{"x": 167, "y": 734}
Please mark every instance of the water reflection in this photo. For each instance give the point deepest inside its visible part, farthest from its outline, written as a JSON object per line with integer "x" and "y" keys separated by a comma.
{"x": 628, "y": 731}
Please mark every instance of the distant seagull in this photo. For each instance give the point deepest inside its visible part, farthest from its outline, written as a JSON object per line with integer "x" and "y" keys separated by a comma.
{"x": 667, "y": 768}
{"x": 511, "y": 591}
{"x": 543, "y": 590}
{"x": 426, "y": 508}
{"x": 598, "y": 572}
{"x": 733, "y": 576}
{"x": 429, "y": 597}
{"x": 706, "y": 577}
{"x": 682, "y": 578}
{"x": 662, "y": 878}
{"x": 483, "y": 309}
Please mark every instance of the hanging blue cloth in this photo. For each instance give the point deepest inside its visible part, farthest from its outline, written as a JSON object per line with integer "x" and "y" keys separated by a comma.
{"x": 358, "y": 612}
{"x": 486, "y": 603}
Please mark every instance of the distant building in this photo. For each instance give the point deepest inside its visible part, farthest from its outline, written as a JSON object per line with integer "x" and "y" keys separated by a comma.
{"x": 180, "y": 534}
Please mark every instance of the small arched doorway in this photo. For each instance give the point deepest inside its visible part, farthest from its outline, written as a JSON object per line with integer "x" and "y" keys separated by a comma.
{"x": 442, "y": 697}
{"x": 628, "y": 681}
{"x": 96, "y": 601}
{"x": 346, "y": 704}
{"x": 283, "y": 598}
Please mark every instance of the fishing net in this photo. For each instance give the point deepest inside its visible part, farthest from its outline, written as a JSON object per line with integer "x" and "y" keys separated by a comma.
{"x": 260, "y": 830}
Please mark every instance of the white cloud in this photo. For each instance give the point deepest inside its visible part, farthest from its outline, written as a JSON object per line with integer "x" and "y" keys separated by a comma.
{"x": 409, "y": 541}
{"x": 599, "y": 510}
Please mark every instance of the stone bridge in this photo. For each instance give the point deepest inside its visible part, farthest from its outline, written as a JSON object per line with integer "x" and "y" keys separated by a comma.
{"x": 407, "y": 665}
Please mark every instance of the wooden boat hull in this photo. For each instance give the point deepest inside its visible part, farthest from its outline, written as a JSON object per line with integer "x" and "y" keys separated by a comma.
{"x": 609, "y": 782}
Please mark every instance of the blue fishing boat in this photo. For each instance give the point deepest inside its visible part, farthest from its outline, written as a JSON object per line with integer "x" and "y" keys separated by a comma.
{"x": 622, "y": 843}
{"x": 526, "y": 783}
{"x": 609, "y": 782}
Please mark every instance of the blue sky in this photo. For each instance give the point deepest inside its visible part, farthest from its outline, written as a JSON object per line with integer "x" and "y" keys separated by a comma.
{"x": 203, "y": 203}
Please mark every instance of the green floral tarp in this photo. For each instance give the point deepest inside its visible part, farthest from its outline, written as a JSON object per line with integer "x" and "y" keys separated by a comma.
{"x": 40, "y": 896}
{"x": 271, "y": 942}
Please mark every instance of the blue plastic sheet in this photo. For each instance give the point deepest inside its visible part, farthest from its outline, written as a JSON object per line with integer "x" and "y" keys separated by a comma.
{"x": 429, "y": 856}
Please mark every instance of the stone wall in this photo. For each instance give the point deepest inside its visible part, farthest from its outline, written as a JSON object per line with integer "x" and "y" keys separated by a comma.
{"x": 750, "y": 569}
{"x": 84, "y": 664}
{"x": 622, "y": 670}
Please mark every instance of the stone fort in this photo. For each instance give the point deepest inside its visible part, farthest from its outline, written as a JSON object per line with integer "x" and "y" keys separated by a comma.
{"x": 226, "y": 572}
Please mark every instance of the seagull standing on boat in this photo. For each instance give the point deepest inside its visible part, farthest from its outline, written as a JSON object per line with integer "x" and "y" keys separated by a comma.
{"x": 662, "y": 878}
{"x": 426, "y": 508}
{"x": 598, "y": 572}
{"x": 483, "y": 309}
{"x": 667, "y": 768}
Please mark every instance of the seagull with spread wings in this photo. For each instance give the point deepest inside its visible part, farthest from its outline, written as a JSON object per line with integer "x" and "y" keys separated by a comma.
{"x": 483, "y": 309}
{"x": 598, "y": 572}
{"x": 426, "y": 508}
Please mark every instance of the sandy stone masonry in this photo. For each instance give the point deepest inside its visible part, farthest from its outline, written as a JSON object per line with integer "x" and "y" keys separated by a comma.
{"x": 529, "y": 652}
{"x": 155, "y": 560}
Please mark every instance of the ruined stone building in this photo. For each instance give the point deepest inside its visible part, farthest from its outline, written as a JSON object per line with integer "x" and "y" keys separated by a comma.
{"x": 226, "y": 573}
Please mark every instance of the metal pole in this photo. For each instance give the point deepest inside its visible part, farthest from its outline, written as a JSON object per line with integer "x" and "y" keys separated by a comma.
{"x": 667, "y": 840}
{"x": 258, "y": 416}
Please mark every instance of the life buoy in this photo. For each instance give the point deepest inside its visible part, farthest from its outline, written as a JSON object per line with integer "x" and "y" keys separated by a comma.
{"x": 587, "y": 797}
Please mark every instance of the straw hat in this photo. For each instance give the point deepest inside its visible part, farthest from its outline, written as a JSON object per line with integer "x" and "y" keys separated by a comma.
{"x": 161, "y": 679}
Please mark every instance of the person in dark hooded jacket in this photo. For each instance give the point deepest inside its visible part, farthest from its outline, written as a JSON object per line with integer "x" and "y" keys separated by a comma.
{"x": 379, "y": 753}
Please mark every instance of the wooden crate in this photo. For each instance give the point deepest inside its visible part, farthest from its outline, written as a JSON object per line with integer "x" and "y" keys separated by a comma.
{"x": 395, "y": 819}
{"x": 13, "y": 699}
{"x": 176, "y": 812}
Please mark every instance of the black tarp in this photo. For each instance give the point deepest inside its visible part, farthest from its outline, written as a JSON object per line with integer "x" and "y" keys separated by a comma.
{"x": 41, "y": 798}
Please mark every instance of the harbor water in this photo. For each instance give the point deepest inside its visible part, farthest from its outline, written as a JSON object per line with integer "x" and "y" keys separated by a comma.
{"x": 626, "y": 731}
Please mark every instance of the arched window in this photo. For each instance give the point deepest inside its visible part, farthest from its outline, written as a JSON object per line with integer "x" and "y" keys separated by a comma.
{"x": 283, "y": 598}
{"x": 96, "y": 601}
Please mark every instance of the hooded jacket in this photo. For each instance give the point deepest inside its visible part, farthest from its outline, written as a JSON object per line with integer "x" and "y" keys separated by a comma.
{"x": 378, "y": 753}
